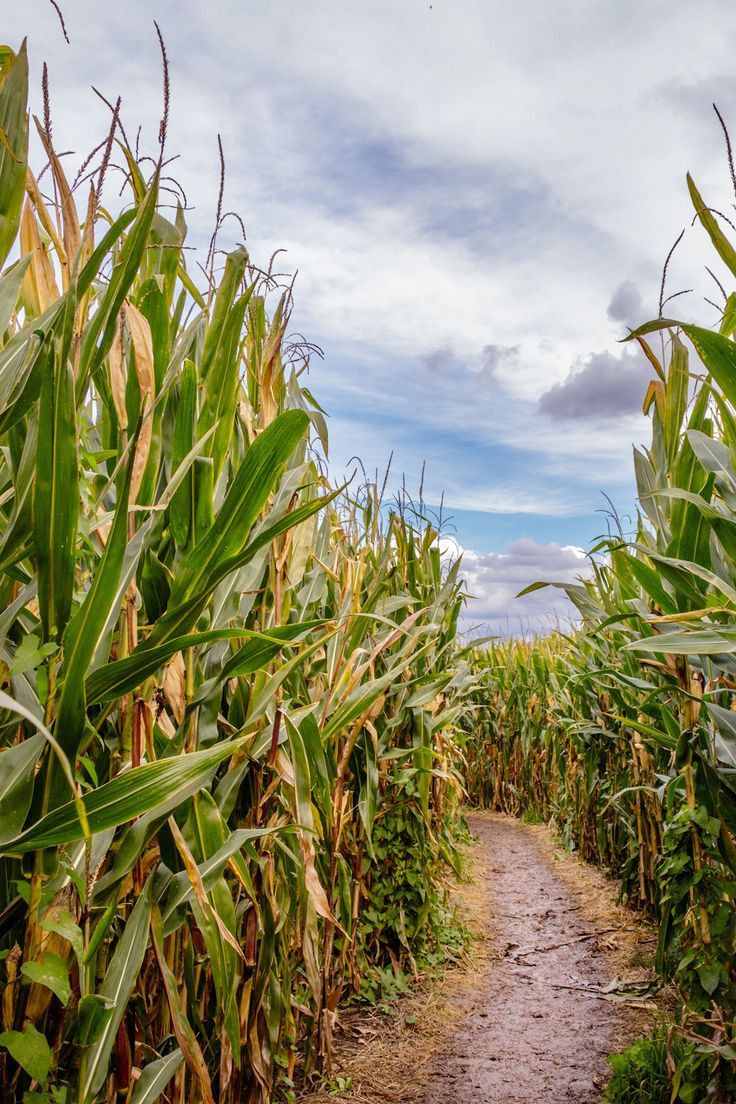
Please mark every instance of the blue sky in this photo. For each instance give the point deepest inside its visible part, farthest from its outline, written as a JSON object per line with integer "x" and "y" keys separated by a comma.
{"x": 478, "y": 197}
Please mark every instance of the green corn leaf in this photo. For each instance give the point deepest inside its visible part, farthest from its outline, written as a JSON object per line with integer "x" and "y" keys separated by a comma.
{"x": 216, "y": 336}
{"x": 128, "y": 850}
{"x": 725, "y": 736}
{"x": 66, "y": 778}
{"x": 718, "y": 354}
{"x": 183, "y": 504}
{"x": 180, "y": 616}
{"x": 676, "y": 401}
{"x": 101, "y": 330}
{"x": 13, "y": 147}
{"x": 696, "y": 642}
{"x": 119, "y": 982}
{"x": 257, "y": 653}
{"x": 56, "y": 494}
{"x": 255, "y": 480}
{"x": 302, "y": 776}
{"x": 106, "y": 243}
{"x": 221, "y": 385}
{"x": 61, "y": 922}
{"x": 17, "y": 769}
{"x": 154, "y": 1078}
{"x": 687, "y": 567}
{"x": 153, "y": 787}
{"x": 85, "y": 628}
{"x": 10, "y": 283}
{"x": 267, "y": 535}
{"x": 728, "y": 322}
{"x": 24, "y": 362}
{"x": 265, "y": 694}
{"x": 118, "y": 678}
{"x": 362, "y": 698}
{"x": 215, "y": 916}
{"x": 712, "y": 454}
{"x": 710, "y": 221}
{"x": 179, "y": 890}
{"x": 15, "y": 543}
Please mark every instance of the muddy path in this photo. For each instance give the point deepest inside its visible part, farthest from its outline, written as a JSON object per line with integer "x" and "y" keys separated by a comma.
{"x": 529, "y": 1033}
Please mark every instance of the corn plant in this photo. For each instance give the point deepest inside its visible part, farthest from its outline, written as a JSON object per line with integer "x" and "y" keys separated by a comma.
{"x": 220, "y": 677}
{"x": 623, "y": 732}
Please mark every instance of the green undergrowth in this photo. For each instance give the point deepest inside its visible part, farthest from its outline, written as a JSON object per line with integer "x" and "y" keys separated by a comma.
{"x": 410, "y": 928}
{"x": 531, "y": 816}
{"x": 662, "y": 1068}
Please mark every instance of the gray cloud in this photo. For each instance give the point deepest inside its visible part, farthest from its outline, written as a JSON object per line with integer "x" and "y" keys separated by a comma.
{"x": 495, "y": 578}
{"x": 694, "y": 97}
{"x": 441, "y": 360}
{"x": 626, "y": 304}
{"x": 603, "y": 386}
{"x": 495, "y": 357}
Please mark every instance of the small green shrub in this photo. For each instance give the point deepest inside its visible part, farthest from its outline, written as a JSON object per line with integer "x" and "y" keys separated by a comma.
{"x": 641, "y": 1072}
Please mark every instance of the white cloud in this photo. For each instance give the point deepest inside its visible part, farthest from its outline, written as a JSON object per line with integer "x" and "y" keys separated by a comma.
{"x": 493, "y": 580}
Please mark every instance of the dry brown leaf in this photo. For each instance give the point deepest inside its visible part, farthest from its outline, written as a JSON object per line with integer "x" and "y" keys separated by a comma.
{"x": 140, "y": 336}
{"x": 39, "y": 283}
{"x": 182, "y": 1028}
{"x": 199, "y": 891}
{"x": 174, "y": 686}
{"x": 314, "y": 887}
{"x": 71, "y": 233}
{"x": 34, "y": 195}
{"x": 9, "y": 991}
{"x": 118, "y": 376}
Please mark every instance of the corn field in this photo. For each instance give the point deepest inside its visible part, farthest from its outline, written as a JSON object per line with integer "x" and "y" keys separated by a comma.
{"x": 623, "y": 733}
{"x": 237, "y": 725}
{"x": 231, "y": 699}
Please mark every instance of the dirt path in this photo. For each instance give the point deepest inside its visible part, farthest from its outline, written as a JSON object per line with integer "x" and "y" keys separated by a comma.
{"x": 524, "y": 1038}
{"x": 497, "y": 1029}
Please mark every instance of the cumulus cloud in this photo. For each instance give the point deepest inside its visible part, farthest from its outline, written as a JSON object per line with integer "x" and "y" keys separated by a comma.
{"x": 626, "y": 304}
{"x": 601, "y": 386}
{"x": 493, "y": 579}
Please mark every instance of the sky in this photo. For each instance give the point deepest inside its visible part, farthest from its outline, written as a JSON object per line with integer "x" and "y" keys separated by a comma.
{"x": 478, "y": 197}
